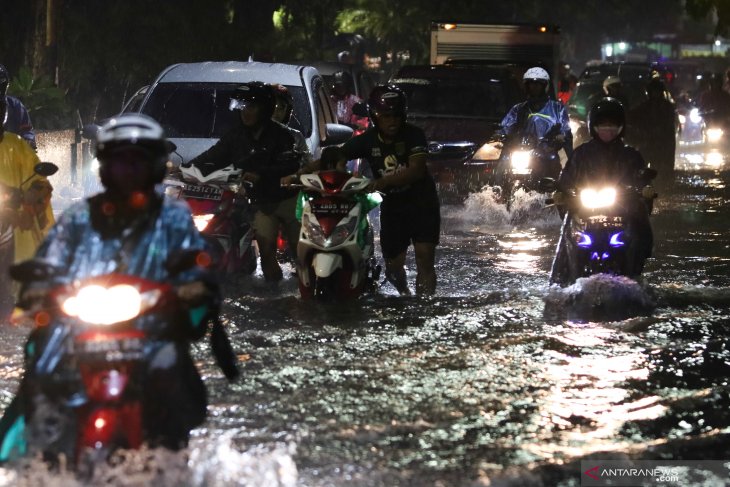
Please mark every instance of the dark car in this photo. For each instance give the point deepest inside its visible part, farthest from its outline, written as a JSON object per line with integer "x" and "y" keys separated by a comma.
{"x": 459, "y": 108}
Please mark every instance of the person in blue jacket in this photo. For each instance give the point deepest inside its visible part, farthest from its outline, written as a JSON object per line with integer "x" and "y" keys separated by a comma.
{"x": 127, "y": 229}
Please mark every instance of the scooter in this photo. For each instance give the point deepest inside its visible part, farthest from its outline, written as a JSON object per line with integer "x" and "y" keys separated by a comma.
{"x": 221, "y": 212}
{"x": 335, "y": 253}
{"x": 83, "y": 393}
{"x": 598, "y": 235}
{"x": 526, "y": 163}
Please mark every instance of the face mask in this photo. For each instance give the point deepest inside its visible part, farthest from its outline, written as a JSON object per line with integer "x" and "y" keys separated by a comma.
{"x": 607, "y": 133}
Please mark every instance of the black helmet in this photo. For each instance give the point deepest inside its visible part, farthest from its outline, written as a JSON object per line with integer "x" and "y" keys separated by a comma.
{"x": 607, "y": 110}
{"x": 343, "y": 78}
{"x": 387, "y": 99}
{"x": 4, "y": 80}
{"x": 257, "y": 93}
{"x": 133, "y": 130}
{"x": 284, "y": 98}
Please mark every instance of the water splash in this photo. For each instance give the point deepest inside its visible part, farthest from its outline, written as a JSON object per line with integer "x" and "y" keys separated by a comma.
{"x": 601, "y": 297}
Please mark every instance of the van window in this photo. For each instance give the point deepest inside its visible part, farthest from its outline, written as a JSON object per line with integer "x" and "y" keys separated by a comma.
{"x": 200, "y": 110}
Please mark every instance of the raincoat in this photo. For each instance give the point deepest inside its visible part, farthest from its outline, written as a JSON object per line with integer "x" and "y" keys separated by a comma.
{"x": 76, "y": 244}
{"x": 18, "y": 121}
{"x": 17, "y": 161}
{"x": 522, "y": 121}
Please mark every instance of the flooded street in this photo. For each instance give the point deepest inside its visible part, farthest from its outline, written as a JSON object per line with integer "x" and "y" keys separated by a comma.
{"x": 496, "y": 380}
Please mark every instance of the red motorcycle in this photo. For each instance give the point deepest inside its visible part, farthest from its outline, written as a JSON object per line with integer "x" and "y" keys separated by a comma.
{"x": 221, "y": 212}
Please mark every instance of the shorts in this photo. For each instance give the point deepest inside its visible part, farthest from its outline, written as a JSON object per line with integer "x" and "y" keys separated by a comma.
{"x": 400, "y": 227}
{"x": 269, "y": 217}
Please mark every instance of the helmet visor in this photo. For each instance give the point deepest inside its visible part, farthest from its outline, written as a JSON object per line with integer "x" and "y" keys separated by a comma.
{"x": 236, "y": 104}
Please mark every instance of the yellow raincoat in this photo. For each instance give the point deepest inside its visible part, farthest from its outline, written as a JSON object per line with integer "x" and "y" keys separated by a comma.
{"x": 17, "y": 161}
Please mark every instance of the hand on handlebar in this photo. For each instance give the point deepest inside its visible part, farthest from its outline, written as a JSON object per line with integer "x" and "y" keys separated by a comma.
{"x": 290, "y": 180}
{"x": 251, "y": 177}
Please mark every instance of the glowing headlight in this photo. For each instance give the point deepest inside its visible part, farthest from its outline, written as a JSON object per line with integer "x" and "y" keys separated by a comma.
{"x": 201, "y": 221}
{"x": 694, "y": 116}
{"x": 520, "y": 162}
{"x": 487, "y": 152}
{"x": 98, "y": 305}
{"x": 592, "y": 199}
{"x": 682, "y": 119}
{"x": 714, "y": 134}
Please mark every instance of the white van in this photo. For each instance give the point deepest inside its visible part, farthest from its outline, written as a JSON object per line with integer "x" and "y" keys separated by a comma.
{"x": 191, "y": 100}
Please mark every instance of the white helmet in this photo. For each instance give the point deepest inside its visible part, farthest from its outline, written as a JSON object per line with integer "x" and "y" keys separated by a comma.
{"x": 536, "y": 74}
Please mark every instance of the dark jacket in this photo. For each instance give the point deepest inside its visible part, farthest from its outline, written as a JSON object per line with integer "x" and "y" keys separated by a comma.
{"x": 268, "y": 152}
{"x": 597, "y": 162}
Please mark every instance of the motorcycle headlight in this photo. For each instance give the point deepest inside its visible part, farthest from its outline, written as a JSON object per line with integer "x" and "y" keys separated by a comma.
{"x": 714, "y": 134}
{"x": 694, "y": 116}
{"x": 682, "y": 119}
{"x": 338, "y": 236}
{"x": 201, "y": 221}
{"x": 593, "y": 199}
{"x": 487, "y": 152}
{"x": 98, "y": 305}
{"x": 520, "y": 162}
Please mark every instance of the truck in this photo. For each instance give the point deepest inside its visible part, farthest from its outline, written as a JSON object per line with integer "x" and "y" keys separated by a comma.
{"x": 519, "y": 45}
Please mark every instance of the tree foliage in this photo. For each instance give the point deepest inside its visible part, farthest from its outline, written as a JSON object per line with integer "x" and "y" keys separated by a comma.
{"x": 45, "y": 102}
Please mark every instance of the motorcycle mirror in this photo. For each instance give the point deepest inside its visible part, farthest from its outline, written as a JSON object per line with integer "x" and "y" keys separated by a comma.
{"x": 34, "y": 270}
{"x": 182, "y": 260}
{"x": 547, "y": 185}
{"x": 360, "y": 109}
{"x": 89, "y": 131}
{"x": 45, "y": 169}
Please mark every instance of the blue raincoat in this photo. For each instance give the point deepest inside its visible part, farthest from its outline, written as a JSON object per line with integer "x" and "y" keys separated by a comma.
{"x": 538, "y": 124}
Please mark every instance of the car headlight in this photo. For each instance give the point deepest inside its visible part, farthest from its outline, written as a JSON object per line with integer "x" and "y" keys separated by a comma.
{"x": 488, "y": 152}
{"x": 201, "y": 221}
{"x": 520, "y": 162}
{"x": 98, "y": 305}
{"x": 593, "y": 199}
{"x": 694, "y": 116}
{"x": 682, "y": 119}
{"x": 714, "y": 134}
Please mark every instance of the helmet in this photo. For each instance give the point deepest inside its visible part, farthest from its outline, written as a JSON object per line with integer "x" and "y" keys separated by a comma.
{"x": 137, "y": 131}
{"x": 655, "y": 86}
{"x": 387, "y": 99}
{"x": 343, "y": 78}
{"x": 606, "y": 110}
{"x": 4, "y": 80}
{"x": 610, "y": 80}
{"x": 256, "y": 93}
{"x": 537, "y": 74}
{"x": 283, "y": 97}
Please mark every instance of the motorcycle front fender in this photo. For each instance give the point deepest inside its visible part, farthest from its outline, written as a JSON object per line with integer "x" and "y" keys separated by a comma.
{"x": 325, "y": 264}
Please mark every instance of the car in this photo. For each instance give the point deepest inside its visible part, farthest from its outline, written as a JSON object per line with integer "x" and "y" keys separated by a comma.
{"x": 364, "y": 81}
{"x": 190, "y": 101}
{"x": 459, "y": 108}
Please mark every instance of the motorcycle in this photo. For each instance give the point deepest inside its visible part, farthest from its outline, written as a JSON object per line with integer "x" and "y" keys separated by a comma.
{"x": 221, "y": 212}
{"x": 598, "y": 235}
{"x": 83, "y": 392}
{"x": 335, "y": 253}
{"x": 526, "y": 163}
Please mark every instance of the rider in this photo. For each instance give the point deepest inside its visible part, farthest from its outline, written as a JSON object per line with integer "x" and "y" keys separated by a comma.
{"x": 344, "y": 99}
{"x": 538, "y": 116}
{"x": 18, "y": 119}
{"x": 265, "y": 151}
{"x": 606, "y": 159}
{"x": 283, "y": 112}
{"x": 23, "y": 225}
{"x": 130, "y": 229}
{"x": 396, "y": 152}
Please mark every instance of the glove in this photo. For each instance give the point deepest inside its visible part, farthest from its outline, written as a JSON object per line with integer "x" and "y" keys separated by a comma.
{"x": 648, "y": 192}
{"x": 558, "y": 198}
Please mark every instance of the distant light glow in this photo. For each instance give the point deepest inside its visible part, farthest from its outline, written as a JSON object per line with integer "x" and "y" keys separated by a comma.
{"x": 717, "y": 42}
{"x": 622, "y": 46}
{"x": 609, "y": 51}
{"x": 715, "y": 159}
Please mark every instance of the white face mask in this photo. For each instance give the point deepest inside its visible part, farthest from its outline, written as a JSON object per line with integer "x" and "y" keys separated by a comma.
{"x": 607, "y": 133}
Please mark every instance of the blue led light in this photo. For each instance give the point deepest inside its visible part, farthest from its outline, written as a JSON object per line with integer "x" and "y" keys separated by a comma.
{"x": 584, "y": 240}
{"x": 617, "y": 240}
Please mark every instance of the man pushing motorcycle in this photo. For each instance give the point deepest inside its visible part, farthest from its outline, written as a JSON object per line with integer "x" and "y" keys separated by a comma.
{"x": 128, "y": 234}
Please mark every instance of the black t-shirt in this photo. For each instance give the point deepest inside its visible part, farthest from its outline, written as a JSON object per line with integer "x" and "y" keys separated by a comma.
{"x": 390, "y": 158}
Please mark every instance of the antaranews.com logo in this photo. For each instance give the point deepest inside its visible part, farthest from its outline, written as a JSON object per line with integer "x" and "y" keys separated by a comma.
{"x": 654, "y": 473}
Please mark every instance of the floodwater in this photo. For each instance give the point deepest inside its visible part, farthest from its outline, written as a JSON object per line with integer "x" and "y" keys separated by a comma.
{"x": 497, "y": 380}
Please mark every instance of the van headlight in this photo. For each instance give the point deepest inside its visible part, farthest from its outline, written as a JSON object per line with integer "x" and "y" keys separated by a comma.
{"x": 487, "y": 152}
{"x": 714, "y": 134}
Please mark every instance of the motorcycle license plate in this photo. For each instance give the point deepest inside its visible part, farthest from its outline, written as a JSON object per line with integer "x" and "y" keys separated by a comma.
{"x": 605, "y": 220}
{"x": 114, "y": 349}
{"x": 201, "y": 192}
{"x": 331, "y": 208}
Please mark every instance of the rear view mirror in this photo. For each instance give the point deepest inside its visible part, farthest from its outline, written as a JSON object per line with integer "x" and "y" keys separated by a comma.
{"x": 360, "y": 109}
{"x": 337, "y": 134}
{"x": 45, "y": 169}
